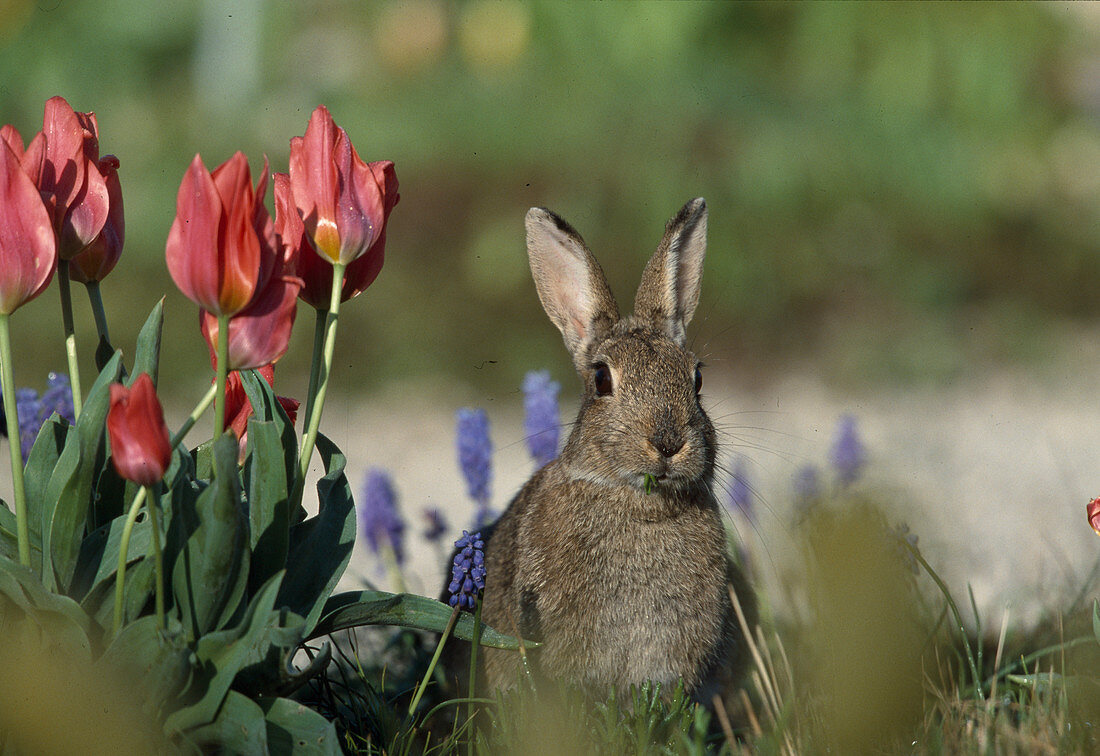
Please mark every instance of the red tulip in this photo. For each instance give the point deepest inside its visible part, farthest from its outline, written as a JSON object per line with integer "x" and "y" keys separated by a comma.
{"x": 140, "y": 446}
{"x": 315, "y": 272}
{"x": 340, "y": 199}
{"x": 99, "y": 258}
{"x": 69, "y": 174}
{"x": 1093, "y": 512}
{"x": 221, "y": 246}
{"x": 28, "y": 249}
{"x": 259, "y": 334}
{"x": 238, "y": 409}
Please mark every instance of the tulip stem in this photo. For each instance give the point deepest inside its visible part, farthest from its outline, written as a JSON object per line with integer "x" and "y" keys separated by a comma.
{"x": 315, "y": 363}
{"x": 123, "y": 549}
{"x": 96, "y": 299}
{"x": 158, "y": 559}
{"x": 7, "y": 378}
{"x": 70, "y": 336}
{"x": 201, "y": 407}
{"x": 222, "y": 375}
{"x": 318, "y": 401}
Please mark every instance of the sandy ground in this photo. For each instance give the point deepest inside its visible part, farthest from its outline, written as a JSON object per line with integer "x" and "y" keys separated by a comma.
{"x": 992, "y": 473}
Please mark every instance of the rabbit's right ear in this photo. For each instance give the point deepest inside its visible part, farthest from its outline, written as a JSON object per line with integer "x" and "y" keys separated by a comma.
{"x": 571, "y": 284}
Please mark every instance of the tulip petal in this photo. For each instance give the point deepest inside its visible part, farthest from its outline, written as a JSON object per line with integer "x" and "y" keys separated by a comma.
{"x": 28, "y": 249}
{"x": 140, "y": 446}
{"x": 99, "y": 258}
{"x": 260, "y": 334}
{"x": 71, "y": 176}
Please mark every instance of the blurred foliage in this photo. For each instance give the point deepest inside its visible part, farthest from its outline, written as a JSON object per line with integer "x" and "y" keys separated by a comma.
{"x": 899, "y": 189}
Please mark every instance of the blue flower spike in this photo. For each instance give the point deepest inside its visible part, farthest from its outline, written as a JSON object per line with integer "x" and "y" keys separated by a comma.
{"x": 468, "y": 571}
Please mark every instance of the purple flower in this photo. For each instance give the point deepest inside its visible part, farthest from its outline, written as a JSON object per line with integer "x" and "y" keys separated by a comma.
{"x": 34, "y": 410}
{"x": 436, "y": 524}
{"x": 806, "y": 485}
{"x": 540, "y": 421}
{"x": 740, "y": 492}
{"x": 474, "y": 452}
{"x": 847, "y": 455}
{"x": 468, "y": 571}
{"x": 380, "y": 522}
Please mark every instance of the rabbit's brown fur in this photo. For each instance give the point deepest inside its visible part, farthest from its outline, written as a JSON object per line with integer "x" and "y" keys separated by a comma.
{"x": 618, "y": 584}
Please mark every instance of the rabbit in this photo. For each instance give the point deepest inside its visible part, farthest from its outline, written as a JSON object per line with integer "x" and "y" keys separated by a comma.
{"x": 613, "y": 556}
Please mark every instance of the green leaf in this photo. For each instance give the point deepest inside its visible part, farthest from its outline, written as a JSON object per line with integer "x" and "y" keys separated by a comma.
{"x": 357, "y": 608}
{"x": 147, "y": 348}
{"x": 59, "y": 616}
{"x": 240, "y": 728}
{"x": 211, "y": 570}
{"x": 9, "y": 536}
{"x": 224, "y": 653}
{"x": 296, "y": 729}
{"x": 270, "y": 469}
{"x": 1096, "y": 619}
{"x": 36, "y": 477}
{"x": 159, "y": 663}
{"x": 69, "y": 492}
{"x": 321, "y": 546}
{"x": 98, "y": 560}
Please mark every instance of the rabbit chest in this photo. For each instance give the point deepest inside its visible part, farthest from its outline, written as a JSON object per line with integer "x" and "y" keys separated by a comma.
{"x": 617, "y": 598}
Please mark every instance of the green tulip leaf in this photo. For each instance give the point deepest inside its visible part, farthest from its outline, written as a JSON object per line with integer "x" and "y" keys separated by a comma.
{"x": 223, "y": 654}
{"x": 9, "y": 538}
{"x": 147, "y": 348}
{"x": 320, "y": 547}
{"x": 270, "y": 468}
{"x": 36, "y": 476}
{"x": 210, "y": 572}
{"x": 240, "y": 728}
{"x": 358, "y": 608}
{"x": 60, "y": 618}
{"x": 296, "y": 729}
{"x": 98, "y": 560}
{"x": 158, "y": 662}
{"x": 70, "y": 490}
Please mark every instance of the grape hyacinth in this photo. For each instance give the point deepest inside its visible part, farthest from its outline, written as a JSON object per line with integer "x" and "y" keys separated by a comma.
{"x": 35, "y": 410}
{"x": 475, "y": 459}
{"x": 468, "y": 571}
{"x": 436, "y": 524}
{"x": 380, "y": 522}
{"x": 740, "y": 492}
{"x": 847, "y": 455}
{"x": 540, "y": 421}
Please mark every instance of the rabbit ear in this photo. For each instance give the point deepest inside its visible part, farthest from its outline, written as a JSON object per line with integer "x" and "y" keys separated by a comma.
{"x": 571, "y": 284}
{"x": 669, "y": 289}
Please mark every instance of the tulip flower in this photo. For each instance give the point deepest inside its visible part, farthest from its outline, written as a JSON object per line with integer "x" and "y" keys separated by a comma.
{"x": 220, "y": 235}
{"x": 1093, "y": 513}
{"x": 140, "y": 447}
{"x": 315, "y": 271}
{"x": 341, "y": 199}
{"x": 28, "y": 258}
{"x": 69, "y": 174}
{"x": 28, "y": 250}
{"x": 102, "y": 253}
{"x": 238, "y": 408}
{"x": 259, "y": 334}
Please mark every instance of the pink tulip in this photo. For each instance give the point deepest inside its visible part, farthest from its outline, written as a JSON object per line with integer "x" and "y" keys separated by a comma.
{"x": 315, "y": 272}
{"x": 1093, "y": 513}
{"x": 340, "y": 199}
{"x": 238, "y": 409}
{"x": 140, "y": 447}
{"x": 99, "y": 258}
{"x": 28, "y": 249}
{"x": 68, "y": 173}
{"x": 221, "y": 246}
{"x": 259, "y": 334}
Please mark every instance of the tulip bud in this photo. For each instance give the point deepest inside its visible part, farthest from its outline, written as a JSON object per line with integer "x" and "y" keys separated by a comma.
{"x": 140, "y": 447}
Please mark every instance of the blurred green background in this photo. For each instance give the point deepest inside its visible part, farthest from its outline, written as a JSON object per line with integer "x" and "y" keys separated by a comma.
{"x": 897, "y": 192}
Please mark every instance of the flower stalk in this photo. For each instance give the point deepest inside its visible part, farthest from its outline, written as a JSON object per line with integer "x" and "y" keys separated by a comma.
{"x": 221, "y": 375}
{"x": 70, "y": 337}
{"x": 317, "y": 400}
{"x": 7, "y": 378}
{"x": 95, "y": 298}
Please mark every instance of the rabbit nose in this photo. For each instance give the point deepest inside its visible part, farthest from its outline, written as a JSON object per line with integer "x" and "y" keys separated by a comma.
{"x": 667, "y": 445}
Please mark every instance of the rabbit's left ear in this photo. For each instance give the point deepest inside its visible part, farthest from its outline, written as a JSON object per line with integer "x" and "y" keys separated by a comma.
{"x": 669, "y": 290}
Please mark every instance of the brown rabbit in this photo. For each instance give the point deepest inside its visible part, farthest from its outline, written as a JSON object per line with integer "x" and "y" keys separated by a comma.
{"x": 613, "y": 556}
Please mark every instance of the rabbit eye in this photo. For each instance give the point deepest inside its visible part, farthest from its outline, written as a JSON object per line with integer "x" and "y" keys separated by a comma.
{"x": 602, "y": 378}
{"x": 698, "y": 379}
